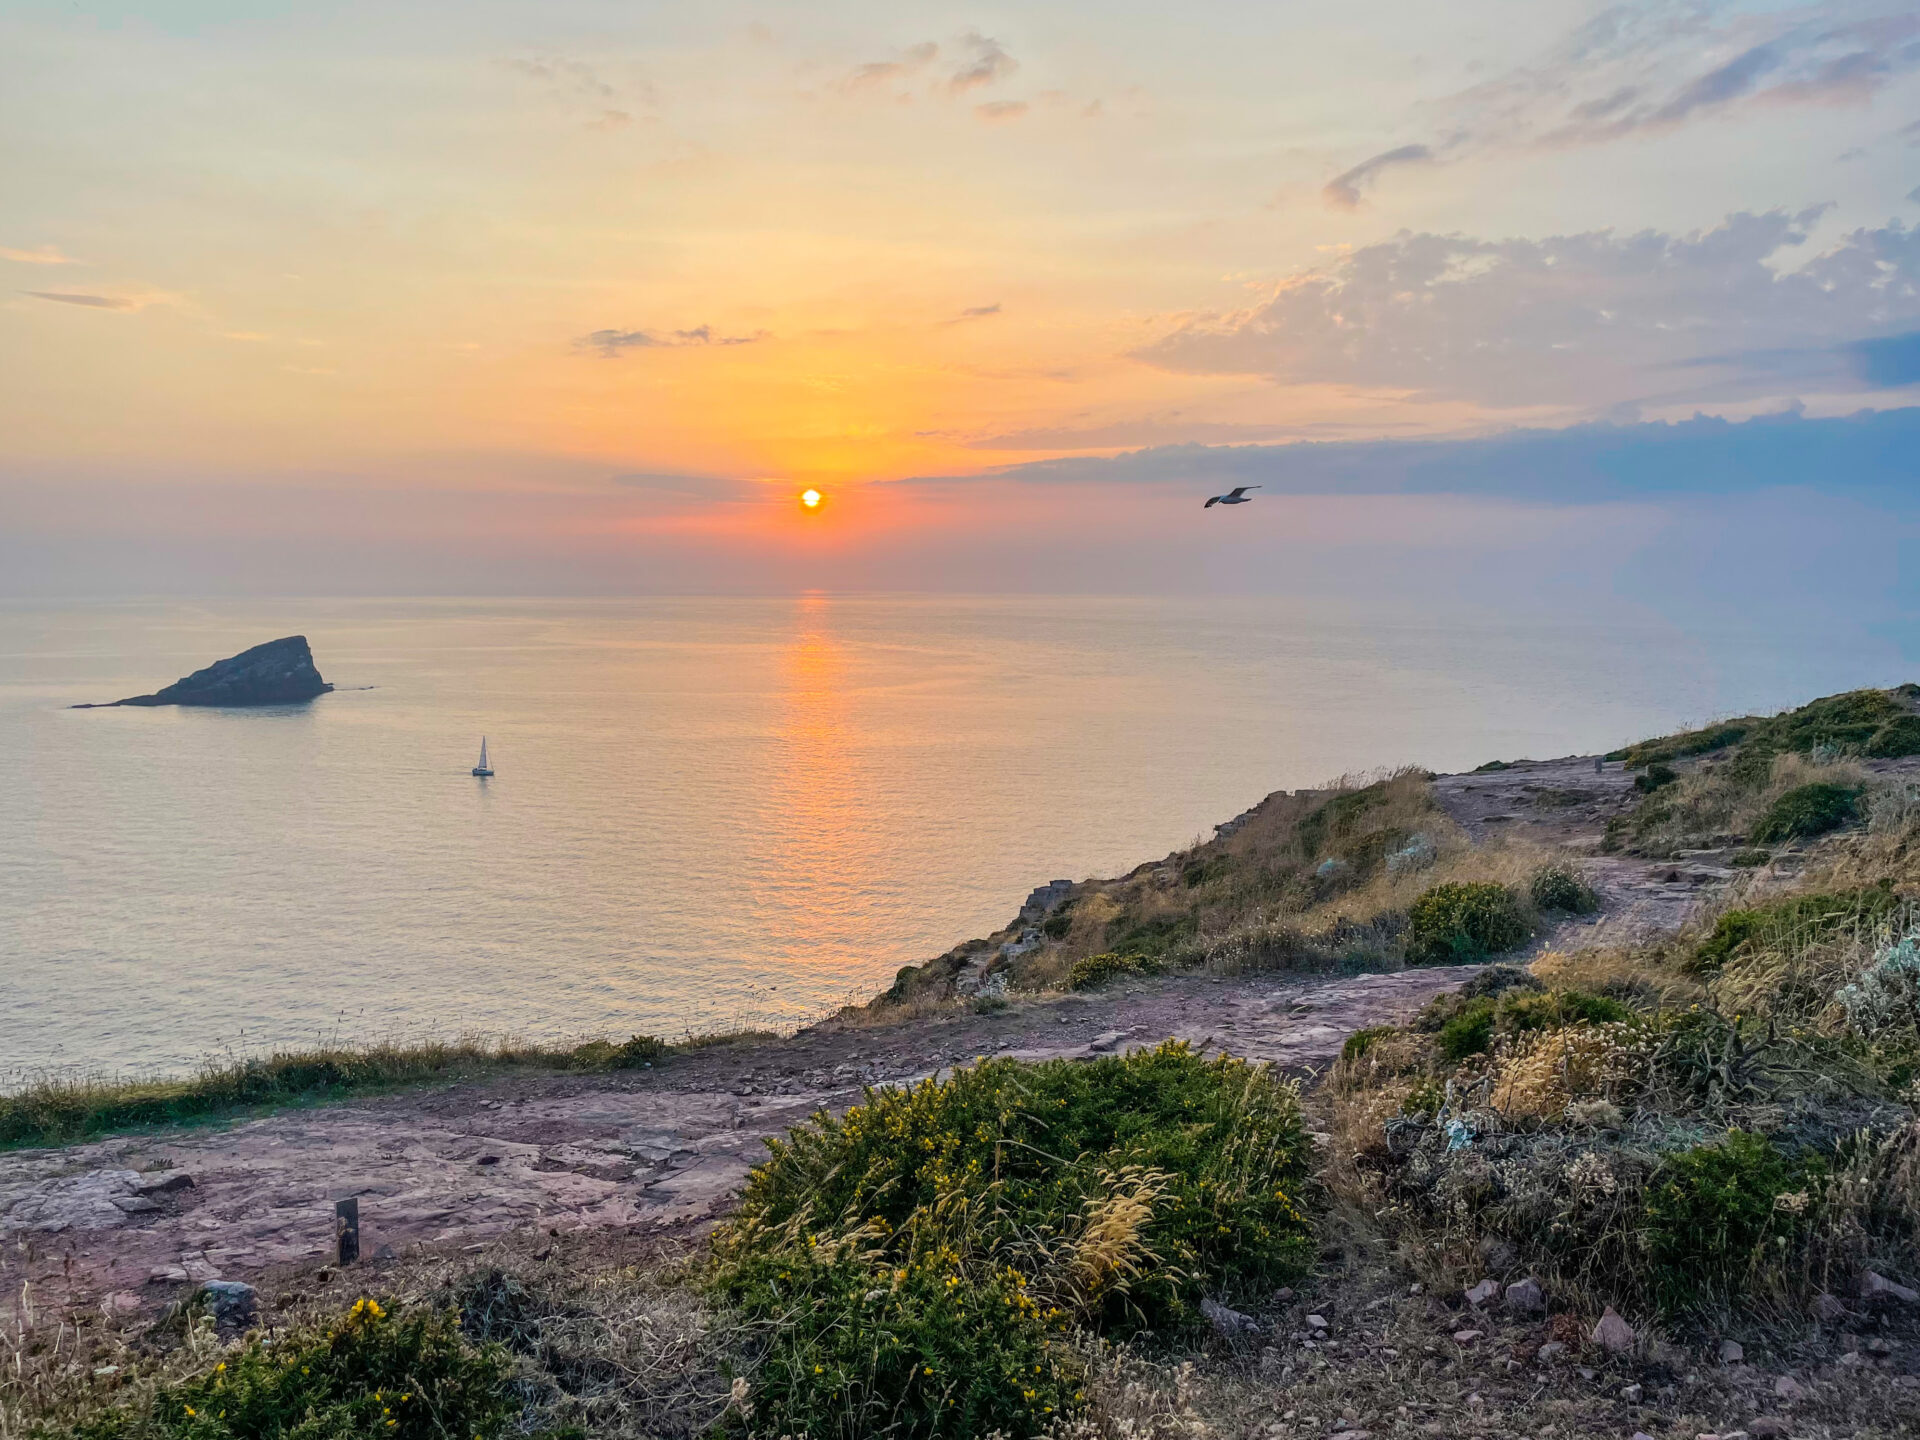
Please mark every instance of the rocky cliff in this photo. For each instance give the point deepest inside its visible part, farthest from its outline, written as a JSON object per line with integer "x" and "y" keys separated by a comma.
{"x": 280, "y": 672}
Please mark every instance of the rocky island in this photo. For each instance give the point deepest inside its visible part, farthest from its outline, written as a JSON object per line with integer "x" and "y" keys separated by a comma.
{"x": 280, "y": 672}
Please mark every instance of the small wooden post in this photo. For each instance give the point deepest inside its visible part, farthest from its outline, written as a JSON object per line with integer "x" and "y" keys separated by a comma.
{"x": 346, "y": 1230}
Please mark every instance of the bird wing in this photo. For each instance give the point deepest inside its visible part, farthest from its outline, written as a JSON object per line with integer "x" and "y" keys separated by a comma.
{"x": 1236, "y": 492}
{"x": 1212, "y": 500}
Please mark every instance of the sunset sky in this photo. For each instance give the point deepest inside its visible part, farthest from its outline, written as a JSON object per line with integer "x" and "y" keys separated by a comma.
{"x": 594, "y": 289}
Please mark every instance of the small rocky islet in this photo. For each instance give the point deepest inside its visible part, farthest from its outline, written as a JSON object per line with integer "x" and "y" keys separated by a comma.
{"x": 280, "y": 672}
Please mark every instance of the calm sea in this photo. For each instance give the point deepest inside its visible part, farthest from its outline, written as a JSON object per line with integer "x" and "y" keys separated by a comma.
{"x": 706, "y": 811}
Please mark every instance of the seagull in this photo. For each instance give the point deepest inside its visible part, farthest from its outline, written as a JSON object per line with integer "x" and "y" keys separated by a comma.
{"x": 1236, "y": 496}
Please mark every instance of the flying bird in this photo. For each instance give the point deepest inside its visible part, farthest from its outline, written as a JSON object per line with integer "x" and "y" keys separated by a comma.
{"x": 1236, "y": 496}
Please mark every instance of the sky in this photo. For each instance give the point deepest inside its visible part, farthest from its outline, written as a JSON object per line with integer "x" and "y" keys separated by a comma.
{"x": 579, "y": 295}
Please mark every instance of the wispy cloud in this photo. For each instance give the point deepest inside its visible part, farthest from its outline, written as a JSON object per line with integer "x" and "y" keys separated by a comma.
{"x": 1646, "y": 69}
{"x": 983, "y": 61}
{"x": 1001, "y": 110}
{"x": 980, "y": 312}
{"x": 1582, "y": 321}
{"x": 92, "y": 302}
{"x": 1344, "y": 190}
{"x": 45, "y": 255}
{"x": 908, "y": 63}
{"x": 614, "y": 343}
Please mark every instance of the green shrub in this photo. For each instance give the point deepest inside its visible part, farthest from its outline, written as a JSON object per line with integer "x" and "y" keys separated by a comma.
{"x": 1557, "y": 887}
{"x": 1457, "y": 923}
{"x": 1848, "y": 722}
{"x": 1091, "y": 971}
{"x": 1710, "y": 1217}
{"x": 1470, "y": 1031}
{"x": 1056, "y": 925}
{"x": 412, "y": 1379}
{"x": 1150, "y": 938}
{"x": 1797, "y": 920}
{"x": 916, "y": 1260}
{"x": 1806, "y": 811}
{"x": 1749, "y": 859}
{"x": 640, "y": 1050}
{"x": 1558, "y": 1009}
{"x": 1656, "y": 776}
{"x": 1338, "y": 817}
{"x": 1897, "y": 738}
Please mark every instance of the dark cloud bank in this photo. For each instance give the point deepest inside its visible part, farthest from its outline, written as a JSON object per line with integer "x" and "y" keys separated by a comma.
{"x": 1873, "y": 454}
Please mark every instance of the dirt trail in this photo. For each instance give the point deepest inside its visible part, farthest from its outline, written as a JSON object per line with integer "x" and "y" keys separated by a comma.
{"x": 101, "y": 1224}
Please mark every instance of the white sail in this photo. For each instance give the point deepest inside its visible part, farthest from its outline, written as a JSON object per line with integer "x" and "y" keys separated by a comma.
{"x": 483, "y": 752}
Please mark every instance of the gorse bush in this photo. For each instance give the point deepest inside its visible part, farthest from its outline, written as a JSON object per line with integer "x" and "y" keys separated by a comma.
{"x": 411, "y": 1379}
{"x": 1807, "y": 811}
{"x": 1461, "y": 922}
{"x": 1717, "y": 1213}
{"x": 1559, "y": 887}
{"x": 1093, "y": 971}
{"x": 1655, "y": 777}
{"x": 916, "y": 1261}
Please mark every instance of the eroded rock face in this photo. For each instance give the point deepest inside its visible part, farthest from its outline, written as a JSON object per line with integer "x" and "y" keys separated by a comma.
{"x": 280, "y": 672}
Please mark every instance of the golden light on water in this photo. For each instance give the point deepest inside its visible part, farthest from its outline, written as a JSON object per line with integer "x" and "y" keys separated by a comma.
{"x": 811, "y": 499}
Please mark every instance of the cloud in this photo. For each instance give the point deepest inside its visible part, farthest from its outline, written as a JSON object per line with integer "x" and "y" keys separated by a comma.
{"x": 1889, "y": 361}
{"x": 1343, "y": 191}
{"x": 885, "y": 72}
{"x": 983, "y": 61}
{"x": 613, "y": 343}
{"x": 94, "y": 302}
{"x": 1651, "y": 68}
{"x": 980, "y": 312}
{"x": 1001, "y": 110}
{"x": 1583, "y": 321}
{"x": 45, "y": 255}
{"x": 1869, "y": 453}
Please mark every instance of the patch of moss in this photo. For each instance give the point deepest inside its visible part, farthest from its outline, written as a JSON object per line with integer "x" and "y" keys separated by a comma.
{"x": 1750, "y": 859}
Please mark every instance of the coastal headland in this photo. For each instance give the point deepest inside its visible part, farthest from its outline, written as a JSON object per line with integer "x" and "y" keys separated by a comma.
{"x": 1598, "y": 966}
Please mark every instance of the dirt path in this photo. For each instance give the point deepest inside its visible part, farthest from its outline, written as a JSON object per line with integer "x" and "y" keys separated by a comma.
{"x": 96, "y": 1223}
{"x": 1565, "y": 805}
{"x": 116, "y": 1222}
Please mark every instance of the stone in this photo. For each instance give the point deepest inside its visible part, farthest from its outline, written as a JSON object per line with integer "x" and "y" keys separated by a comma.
{"x": 1612, "y": 1333}
{"x": 1731, "y": 1352}
{"x": 90, "y": 1200}
{"x": 168, "y": 1186}
{"x": 1467, "y": 1337}
{"x": 1788, "y": 1388}
{"x": 1550, "y": 1351}
{"x": 280, "y": 672}
{"x": 1631, "y": 1394}
{"x": 1526, "y": 1297}
{"x": 1283, "y": 1294}
{"x": 232, "y": 1303}
{"x": 1852, "y": 1360}
{"x": 1107, "y": 1040}
{"x": 1316, "y": 1322}
{"x": 1880, "y": 1345}
{"x": 1877, "y": 1287}
{"x": 167, "y": 1275}
{"x": 1226, "y": 1322}
{"x": 1768, "y": 1427}
{"x": 1478, "y": 1295}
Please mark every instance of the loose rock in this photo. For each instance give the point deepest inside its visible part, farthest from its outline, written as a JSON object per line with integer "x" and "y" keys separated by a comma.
{"x": 1480, "y": 1294}
{"x": 1612, "y": 1333}
{"x": 233, "y": 1304}
{"x": 1788, "y": 1388}
{"x": 1526, "y": 1297}
{"x": 1731, "y": 1352}
{"x": 1877, "y": 1287}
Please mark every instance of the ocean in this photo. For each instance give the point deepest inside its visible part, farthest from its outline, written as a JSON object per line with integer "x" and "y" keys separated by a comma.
{"x": 707, "y": 812}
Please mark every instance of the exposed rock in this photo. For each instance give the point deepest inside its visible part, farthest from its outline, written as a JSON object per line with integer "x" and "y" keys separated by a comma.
{"x": 1613, "y": 1333}
{"x": 1526, "y": 1297}
{"x": 280, "y": 672}
{"x": 1316, "y": 1322}
{"x": 1877, "y": 1287}
{"x": 178, "y": 1181}
{"x": 1467, "y": 1337}
{"x": 92, "y": 1200}
{"x": 1227, "y": 1322}
{"x": 1550, "y": 1351}
{"x": 1478, "y": 1295}
{"x": 232, "y": 1304}
{"x": 1045, "y": 898}
{"x": 1828, "y": 1308}
{"x": 1732, "y": 1352}
{"x": 1107, "y": 1040}
{"x": 1789, "y": 1389}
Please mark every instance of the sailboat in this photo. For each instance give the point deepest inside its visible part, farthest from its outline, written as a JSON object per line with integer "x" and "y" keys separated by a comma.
{"x": 483, "y": 769}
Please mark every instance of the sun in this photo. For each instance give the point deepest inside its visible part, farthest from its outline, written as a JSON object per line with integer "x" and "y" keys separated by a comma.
{"x": 811, "y": 499}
